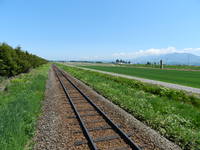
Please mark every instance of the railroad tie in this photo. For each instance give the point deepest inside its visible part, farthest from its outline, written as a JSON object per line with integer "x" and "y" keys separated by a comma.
{"x": 101, "y": 139}
{"x": 106, "y": 127}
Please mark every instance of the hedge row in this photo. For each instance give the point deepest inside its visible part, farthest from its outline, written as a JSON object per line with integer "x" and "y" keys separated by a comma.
{"x": 14, "y": 61}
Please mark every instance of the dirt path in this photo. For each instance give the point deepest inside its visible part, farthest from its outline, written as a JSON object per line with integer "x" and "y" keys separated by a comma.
{"x": 56, "y": 132}
{"x": 118, "y": 65}
{"x": 169, "y": 85}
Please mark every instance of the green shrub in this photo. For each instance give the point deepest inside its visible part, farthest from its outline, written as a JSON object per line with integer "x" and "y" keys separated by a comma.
{"x": 14, "y": 61}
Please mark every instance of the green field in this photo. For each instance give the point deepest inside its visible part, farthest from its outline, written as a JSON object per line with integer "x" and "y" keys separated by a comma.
{"x": 181, "y": 67}
{"x": 170, "y": 114}
{"x": 19, "y": 108}
{"x": 188, "y": 78}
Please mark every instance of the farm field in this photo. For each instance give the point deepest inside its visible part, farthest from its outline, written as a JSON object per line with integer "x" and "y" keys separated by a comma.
{"x": 187, "y": 78}
{"x": 19, "y": 108}
{"x": 178, "y": 67}
{"x": 174, "y": 114}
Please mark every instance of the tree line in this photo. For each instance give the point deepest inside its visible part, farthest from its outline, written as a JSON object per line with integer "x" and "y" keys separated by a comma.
{"x": 14, "y": 61}
{"x": 120, "y": 61}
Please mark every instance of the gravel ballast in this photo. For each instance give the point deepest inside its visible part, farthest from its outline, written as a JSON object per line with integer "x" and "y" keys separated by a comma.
{"x": 52, "y": 129}
{"x": 141, "y": 131}
{"x": 55, "y": 129}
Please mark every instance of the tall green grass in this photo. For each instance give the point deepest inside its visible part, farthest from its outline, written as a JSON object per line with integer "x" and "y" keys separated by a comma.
{"x": 174, "y": 119}
{"x": 188, "y": 78}
{"x": 19, "y": 108}
{"x": 1, "y": 79}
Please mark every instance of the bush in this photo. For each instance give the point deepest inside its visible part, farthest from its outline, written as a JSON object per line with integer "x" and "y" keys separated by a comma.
{"x": 14, "y": 61}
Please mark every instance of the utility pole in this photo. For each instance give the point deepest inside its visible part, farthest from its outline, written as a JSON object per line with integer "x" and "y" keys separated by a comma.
{"x": 161, "y": 64}
{"x": 188, "y": 59}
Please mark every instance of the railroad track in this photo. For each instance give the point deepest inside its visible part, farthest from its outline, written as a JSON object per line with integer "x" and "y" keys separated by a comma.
{"x": 85, "y": 110}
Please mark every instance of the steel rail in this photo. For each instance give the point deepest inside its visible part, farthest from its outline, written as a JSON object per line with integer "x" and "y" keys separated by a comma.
{"x": 91, "y": 142}
{"x": 122, "y": 134}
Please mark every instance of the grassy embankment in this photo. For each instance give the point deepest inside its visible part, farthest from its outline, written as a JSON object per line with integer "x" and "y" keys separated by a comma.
{"x": 173, "y": 113}
{"x": 188, "y": 78}
{"x": 19, "y": 108}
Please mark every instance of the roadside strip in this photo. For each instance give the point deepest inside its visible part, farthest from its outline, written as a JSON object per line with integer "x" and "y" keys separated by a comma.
{"x": 169, "y": 85}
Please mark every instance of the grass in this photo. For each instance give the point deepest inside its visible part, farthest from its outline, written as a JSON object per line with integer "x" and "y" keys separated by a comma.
{"x": 182, "y": 67}
{"x": 186, "y": 67}
{"x": 188, "y": 78}
{"x": 1, "y": 79}
{"x": 19, "y": 108}
{"x": 176, "y": 120}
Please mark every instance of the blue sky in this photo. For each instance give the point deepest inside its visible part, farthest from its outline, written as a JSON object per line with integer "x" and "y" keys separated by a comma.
{"x": 97, "y": 29}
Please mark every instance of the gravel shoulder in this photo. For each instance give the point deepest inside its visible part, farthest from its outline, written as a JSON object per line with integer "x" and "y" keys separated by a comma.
{"x": 51, "y": 127}
{"x": 165, "y": 84}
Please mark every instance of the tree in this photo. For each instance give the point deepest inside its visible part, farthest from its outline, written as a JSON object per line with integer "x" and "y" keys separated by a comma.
{"x": 148, "y": 63}
{"x": 14, "y": 61}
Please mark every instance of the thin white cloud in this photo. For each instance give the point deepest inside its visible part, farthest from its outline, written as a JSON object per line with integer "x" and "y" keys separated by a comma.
{"x": 139, "y": 53}
{"x": 195, "y": 51}
{"x": 155, "y": 51}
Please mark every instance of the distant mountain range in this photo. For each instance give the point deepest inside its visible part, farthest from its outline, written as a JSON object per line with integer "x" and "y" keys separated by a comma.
{"x": 170, "y": 59}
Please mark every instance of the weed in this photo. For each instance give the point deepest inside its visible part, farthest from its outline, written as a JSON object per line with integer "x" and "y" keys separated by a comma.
{"x": 20, "y": 107}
